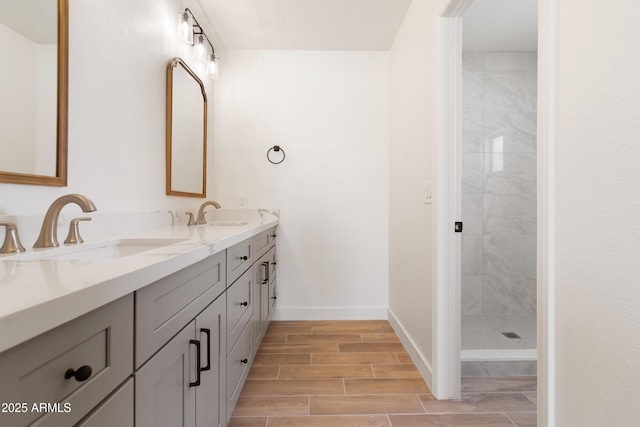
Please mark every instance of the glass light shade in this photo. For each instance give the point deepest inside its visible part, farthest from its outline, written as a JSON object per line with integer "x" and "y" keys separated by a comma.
{"x": 212, "y": 67}
{"x": 200, "y": 49}
{"x": 185, "y": 28}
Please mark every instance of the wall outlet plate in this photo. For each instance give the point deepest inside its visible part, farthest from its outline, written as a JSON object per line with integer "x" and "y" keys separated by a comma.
{"x": 243, "y": 201}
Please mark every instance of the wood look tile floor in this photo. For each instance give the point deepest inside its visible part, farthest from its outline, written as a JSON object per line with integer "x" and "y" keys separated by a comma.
{"x": 357, "y": 374}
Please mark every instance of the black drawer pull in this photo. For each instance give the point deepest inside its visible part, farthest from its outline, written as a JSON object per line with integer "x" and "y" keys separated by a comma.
{"x": 274, "y": 297}
{"x": 207, "y": 332}
{"x": 197, "y": 344}
{"x": 82, "y": 374}
{"x": 244, "y": 361}
{"x": 244, "y": 258}
{"x": 244, "y": 303}
{"x": 273, "y": 235}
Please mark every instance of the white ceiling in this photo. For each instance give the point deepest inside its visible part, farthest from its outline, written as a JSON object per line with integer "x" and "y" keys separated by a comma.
{"x": 501, "y": 25}
{"x": 34, "y": 19}
{"x": 306, "y": 24}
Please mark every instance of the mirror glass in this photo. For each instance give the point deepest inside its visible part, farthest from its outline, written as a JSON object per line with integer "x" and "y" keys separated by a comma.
{"x": 186, "y": 131}
{"x": 33, "y": 84}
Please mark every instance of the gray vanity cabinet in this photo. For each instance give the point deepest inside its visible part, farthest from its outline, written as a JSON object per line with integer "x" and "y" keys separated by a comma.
{"x": 175, "y": 353}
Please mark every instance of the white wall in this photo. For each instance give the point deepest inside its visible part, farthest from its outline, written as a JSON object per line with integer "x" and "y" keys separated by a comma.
{"x": 597, "y": 193}
{"x": 18, "y": 106}
{"x": 46, "y": 109}
{"x": 329, "y": 111}
{"x": 118, "y": 51}
{"x": 411, "y": 165}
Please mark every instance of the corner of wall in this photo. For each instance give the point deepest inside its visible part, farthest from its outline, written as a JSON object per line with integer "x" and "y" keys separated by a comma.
{"x": 421, "y": 362}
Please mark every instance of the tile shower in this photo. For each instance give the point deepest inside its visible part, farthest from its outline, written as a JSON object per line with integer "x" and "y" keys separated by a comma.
{"x": 499, "y": 212}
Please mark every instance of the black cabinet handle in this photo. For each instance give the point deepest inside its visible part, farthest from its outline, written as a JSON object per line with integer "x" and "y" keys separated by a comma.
{"x": 274, "y": 297}
{"x": 82, "y": 374}
{"x": 207, "y": 332}
{"x": 244, "y": 258}
{"x": 197, "y": 344}
{"x": 273, "y": 235}
{"x": 244, "y": 361}
{"x": 273, "y": 263}
{"x": 244, "y": 303}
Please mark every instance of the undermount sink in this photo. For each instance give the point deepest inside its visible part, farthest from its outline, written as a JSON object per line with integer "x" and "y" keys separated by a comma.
{"x": 119, "y": 248}
{"x": 228, "y": 223}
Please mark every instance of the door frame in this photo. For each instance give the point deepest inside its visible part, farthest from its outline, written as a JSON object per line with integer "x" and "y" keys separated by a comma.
{"x": 447, "y": 290}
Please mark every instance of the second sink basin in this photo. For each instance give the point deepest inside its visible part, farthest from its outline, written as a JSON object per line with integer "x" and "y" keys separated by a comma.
{"x": 118, "y": 248}
{"x": 228, "y": 223}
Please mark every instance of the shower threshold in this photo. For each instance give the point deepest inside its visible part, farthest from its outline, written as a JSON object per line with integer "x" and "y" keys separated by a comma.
{"x": 499, "y": 355}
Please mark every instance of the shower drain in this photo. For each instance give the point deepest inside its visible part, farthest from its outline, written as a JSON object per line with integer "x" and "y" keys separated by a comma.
{"x": 511, "y": 335}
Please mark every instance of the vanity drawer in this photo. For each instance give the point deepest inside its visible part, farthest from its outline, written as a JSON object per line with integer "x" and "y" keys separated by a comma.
{"x": 163, "y": 308}
{"x": 34, "y": 372}
{"x": 239, "y": 307}
{"x": 238, "y": 364}
{"x": 273, "y": 297}
{"x": 239, "y": 258}
{"x": 117, "y": 410}
{"x": 261, "y": 243}
{"x": 272, "y": 263}
{"x": 273, "y": 236}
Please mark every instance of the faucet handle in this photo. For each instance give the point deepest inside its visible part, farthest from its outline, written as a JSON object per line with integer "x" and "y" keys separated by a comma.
{"x": 11, "y": 243}
{"x": 74, "y": 231}
{"x": 191, "y": 220}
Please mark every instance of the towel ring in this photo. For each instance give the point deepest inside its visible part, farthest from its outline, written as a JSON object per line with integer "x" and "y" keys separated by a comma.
{"x": 276, "y": 148}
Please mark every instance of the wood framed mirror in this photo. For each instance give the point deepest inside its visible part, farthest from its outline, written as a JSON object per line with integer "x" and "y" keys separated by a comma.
{"x": 34, "y": 84}
{"x": 186, "y": 132}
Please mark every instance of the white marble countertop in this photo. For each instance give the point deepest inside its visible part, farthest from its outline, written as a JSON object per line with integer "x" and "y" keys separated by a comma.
{"x": 37, "y": 296}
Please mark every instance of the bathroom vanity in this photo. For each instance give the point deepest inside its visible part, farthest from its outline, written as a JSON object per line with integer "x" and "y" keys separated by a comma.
{"x": 163, "y": 337}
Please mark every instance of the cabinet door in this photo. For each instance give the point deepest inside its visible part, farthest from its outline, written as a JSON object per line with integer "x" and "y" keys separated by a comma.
{"x": 211, "y": 394}
{"x": 260, "y": 310}
{"x": 164, "y": 397}
{"x": 117, "y": 410}
{"x": 273, "y": 297}
{"x": 238, "y": 366}
{"x": 272, "y": 284}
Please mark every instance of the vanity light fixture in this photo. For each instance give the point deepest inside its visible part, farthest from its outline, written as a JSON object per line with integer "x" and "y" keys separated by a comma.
{"x": 212, "y": 67}
{"x": 200, "y": 49}
{"x": 191, "y": 33}
{"x": 185, "y": 28}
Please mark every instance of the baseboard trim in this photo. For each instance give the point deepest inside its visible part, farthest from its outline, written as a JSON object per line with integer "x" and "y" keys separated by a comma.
{"x": 330, "y": 313}
{"x": 423, "y": 366}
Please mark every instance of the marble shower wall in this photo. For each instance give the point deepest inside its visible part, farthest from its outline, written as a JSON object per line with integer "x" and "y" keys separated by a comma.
{"x": 499, "y": 183}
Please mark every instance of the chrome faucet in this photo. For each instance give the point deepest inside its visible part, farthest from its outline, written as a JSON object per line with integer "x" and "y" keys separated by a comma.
{"x": 201, "y": 219}
{"x": 49, "y": 233}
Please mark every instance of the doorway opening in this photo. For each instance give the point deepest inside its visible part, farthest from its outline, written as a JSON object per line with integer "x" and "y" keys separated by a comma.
{"x": 498, "y": 190}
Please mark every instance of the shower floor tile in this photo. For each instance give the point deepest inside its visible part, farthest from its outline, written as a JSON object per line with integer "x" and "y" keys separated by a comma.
{"x": 485, "y": 332}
